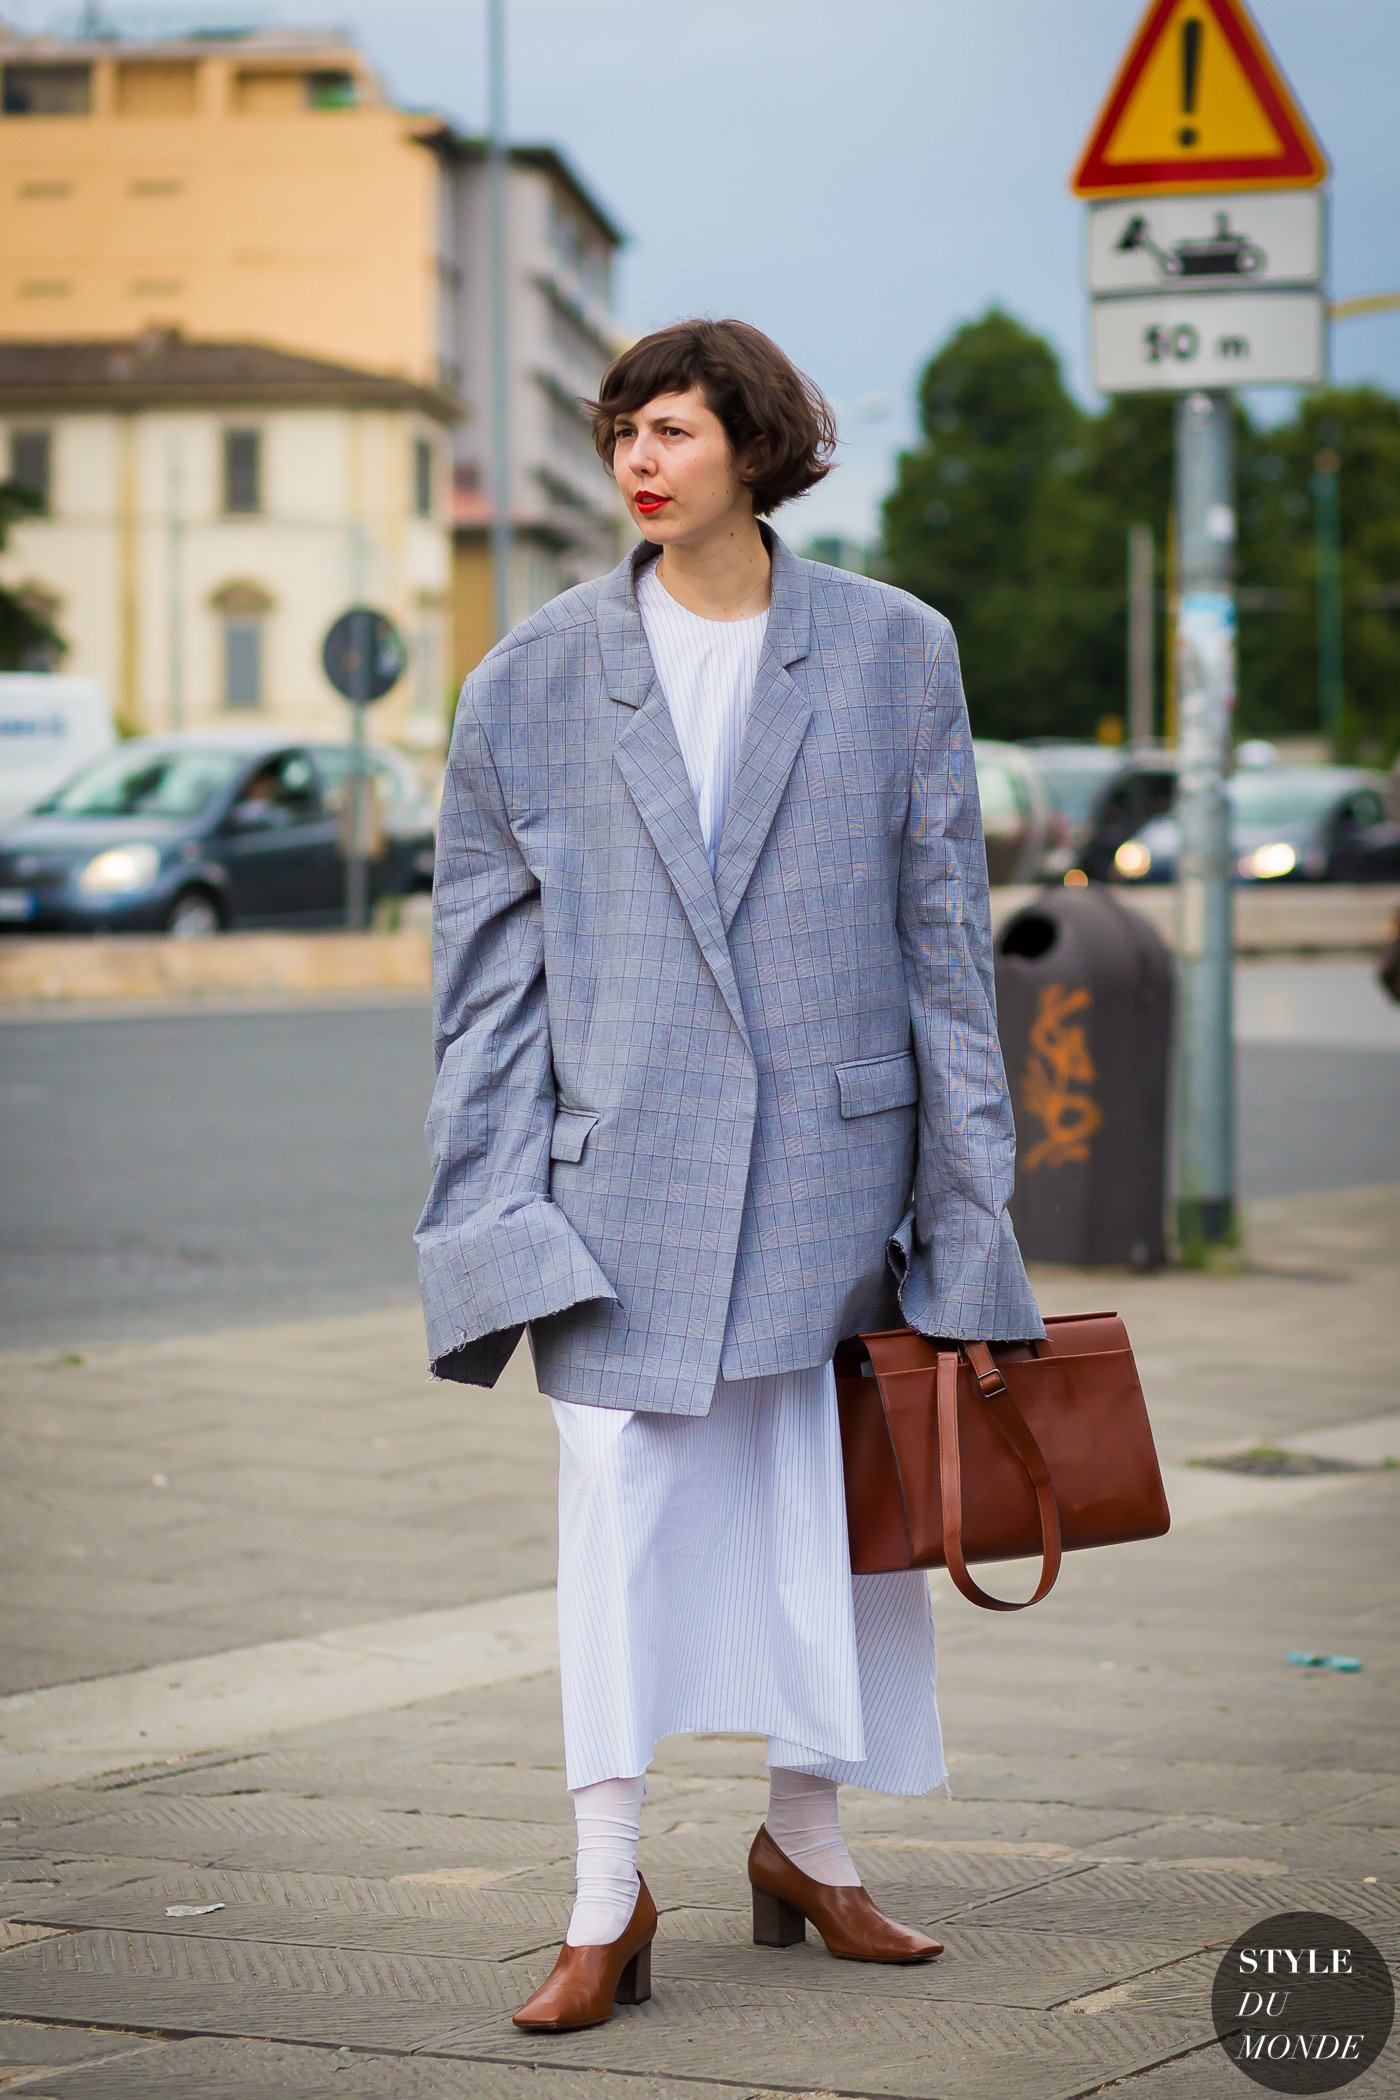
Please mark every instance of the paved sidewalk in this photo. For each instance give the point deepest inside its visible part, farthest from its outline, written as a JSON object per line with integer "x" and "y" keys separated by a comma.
{"x": 292, "y": 1535}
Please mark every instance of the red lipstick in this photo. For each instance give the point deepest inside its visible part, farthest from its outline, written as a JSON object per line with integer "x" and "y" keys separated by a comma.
{"x": 649, "y": 503}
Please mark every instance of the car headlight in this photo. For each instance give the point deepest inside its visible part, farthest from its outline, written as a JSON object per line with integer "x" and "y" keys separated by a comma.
{"x": 1132, "y": 860}
{"x": 1267, "y": 863}
{"x": 120, "y": 868}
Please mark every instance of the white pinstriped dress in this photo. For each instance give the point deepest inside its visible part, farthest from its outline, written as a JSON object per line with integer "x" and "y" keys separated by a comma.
{"x": 704, "y": 1571}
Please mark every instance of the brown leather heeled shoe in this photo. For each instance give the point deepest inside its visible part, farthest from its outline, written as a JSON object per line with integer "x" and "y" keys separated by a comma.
{"x": 587, "y": 1982}
{"x": 784, "y": 1898}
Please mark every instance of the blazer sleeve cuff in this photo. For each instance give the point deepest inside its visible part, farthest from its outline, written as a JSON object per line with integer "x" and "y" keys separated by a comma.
{"x": 483, "y": 1281}
{"x": 967, "y": 1283}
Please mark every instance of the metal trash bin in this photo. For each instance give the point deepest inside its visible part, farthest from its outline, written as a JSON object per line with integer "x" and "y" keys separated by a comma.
{"x": 1084, "y": 999}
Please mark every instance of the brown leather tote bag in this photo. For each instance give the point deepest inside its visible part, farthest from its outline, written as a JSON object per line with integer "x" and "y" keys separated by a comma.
{"x": 957, "y": 1452}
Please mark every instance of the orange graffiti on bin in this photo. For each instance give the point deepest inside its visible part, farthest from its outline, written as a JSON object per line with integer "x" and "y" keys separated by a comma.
{"x": 1058, "y": 1064}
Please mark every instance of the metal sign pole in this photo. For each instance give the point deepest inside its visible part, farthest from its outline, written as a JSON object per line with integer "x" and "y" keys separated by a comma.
{"x": 498, "y": 175}
{"x": 1205, "y": 642}
{"x": 356, "y": 869}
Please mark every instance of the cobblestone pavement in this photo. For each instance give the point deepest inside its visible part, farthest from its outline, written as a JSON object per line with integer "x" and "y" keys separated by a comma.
{"x": 1137, "y": 1772}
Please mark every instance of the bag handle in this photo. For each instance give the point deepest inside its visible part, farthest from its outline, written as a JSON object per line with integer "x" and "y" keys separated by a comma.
{"x": 1011, "y": 1423}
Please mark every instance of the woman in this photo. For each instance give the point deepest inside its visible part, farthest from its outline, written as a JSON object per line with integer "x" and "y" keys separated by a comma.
{"x": 718, "y": 1084}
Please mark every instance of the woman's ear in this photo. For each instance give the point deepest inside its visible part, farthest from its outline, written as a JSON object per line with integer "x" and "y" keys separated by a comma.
{"x": 752, "y": 463}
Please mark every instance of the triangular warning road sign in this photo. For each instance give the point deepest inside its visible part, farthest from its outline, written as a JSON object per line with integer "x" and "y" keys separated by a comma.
{"x": 1199, "y": 104}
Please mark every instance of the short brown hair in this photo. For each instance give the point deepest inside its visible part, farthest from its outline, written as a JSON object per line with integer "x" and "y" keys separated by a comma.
{"x": 780, "y": 427}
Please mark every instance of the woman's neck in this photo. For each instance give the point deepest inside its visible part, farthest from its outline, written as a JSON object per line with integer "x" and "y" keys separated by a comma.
{"x": 725, "y": 577}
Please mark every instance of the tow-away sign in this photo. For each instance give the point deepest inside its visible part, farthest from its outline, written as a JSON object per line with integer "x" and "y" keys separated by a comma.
{"x": 1206, "y": 228}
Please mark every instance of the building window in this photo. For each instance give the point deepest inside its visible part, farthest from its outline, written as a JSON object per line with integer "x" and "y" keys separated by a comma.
{"x": 47, "y": 91}
{"x": 243, "y": 660}
{"x": 330, "y": 91}
{"x": 156, "y": 88}
{"x": 242, "y": 471}
{"x": 31, "y": 463}
{"x": 422, "y": 478}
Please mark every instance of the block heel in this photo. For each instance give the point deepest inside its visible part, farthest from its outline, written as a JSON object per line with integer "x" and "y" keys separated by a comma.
{"x": 849, "y": 1924}
{"x": 634, "y": 1984}
{"x": 775, "y": 1923}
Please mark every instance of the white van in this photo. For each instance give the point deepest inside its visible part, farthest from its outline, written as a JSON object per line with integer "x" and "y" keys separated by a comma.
{"x": 49, "y": 726}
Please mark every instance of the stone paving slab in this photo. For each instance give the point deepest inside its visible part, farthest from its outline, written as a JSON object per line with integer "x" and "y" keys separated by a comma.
{"x": 192, "y": 1985}
{"x": 1250, "y": 1791}
{"x": 1159, "y": 1901}
{"x": 28, "y": 1883}
{"x": 794, "y": 2041}
{"x": 441, "y": 1917}
{"x": 1317, "y": 1846}
{"x": 319, "y": 1836}
{"x": 26, "y": 2046}
{"x": 143, "y": 2068}
{"x": 1031, "y": 1971}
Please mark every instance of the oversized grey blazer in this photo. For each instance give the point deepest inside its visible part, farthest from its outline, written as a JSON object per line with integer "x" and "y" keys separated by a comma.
{"x": 689, "y": 1124}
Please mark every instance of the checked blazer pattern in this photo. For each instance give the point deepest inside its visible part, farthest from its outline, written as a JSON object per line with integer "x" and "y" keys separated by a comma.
{"x": 690, "y": 1123}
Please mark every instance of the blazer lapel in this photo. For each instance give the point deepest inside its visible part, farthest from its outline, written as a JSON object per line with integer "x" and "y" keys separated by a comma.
{"x": 650, "y": 762}
{"x": 778, "y": 721}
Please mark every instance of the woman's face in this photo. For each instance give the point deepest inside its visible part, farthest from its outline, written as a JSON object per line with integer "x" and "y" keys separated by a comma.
{"x": 678, "y": 476}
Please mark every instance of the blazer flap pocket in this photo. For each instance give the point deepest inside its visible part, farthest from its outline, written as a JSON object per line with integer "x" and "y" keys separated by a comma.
{"x": 873, "y": 1083}
{"x": 570, "y": 1133}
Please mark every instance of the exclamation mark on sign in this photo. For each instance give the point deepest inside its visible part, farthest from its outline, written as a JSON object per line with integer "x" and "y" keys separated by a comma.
{"x": 1190, "y": 77}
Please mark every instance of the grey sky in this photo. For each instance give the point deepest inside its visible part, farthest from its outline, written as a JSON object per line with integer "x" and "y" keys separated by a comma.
{"x": 856, "y": 176}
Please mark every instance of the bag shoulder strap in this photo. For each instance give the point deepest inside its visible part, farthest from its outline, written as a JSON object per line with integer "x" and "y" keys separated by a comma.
{"x": 1009, "y": 1420}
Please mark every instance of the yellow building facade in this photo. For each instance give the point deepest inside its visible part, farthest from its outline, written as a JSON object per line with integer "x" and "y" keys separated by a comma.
{"x": 261, "y": 190}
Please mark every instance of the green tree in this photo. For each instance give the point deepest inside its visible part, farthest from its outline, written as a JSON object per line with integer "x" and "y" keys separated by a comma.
{"x": 1360, "y": 427}
{"x": 977, "y": 504}
{"x": 1011, "y": 515}
{"x": 24, "y": 632}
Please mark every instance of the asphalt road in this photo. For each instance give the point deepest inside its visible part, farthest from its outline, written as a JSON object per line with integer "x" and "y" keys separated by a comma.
{"x": 189, "y": 1171}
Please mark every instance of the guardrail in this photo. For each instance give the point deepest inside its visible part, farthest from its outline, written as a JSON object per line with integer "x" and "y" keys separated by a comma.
{"x": 35, "y": 971}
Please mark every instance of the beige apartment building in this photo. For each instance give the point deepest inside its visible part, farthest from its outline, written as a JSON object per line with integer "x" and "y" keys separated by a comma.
{"x": 259, "y": 188}
{"x": 207, "y": 510}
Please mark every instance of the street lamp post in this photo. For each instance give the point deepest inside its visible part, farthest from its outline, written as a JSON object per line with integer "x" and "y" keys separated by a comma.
{"x": 175, "y": 578}
{"x": 1327, "y": 540}
{"x": 498, "y": 171}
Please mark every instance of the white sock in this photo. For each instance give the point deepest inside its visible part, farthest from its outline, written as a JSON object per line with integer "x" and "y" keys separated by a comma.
{"x": 803, "y": 1822}
{"x": 608, "y": 1815}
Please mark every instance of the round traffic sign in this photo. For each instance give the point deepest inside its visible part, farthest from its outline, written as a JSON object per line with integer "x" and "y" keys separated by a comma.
{"x": 363, "y": 654}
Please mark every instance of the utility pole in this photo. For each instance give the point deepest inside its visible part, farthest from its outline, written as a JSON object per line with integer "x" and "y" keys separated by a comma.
{"x": 355, "y": 826}
{"x": 1140, "y": 565}
{"x": 175, "y": 579}
{"x": 1327, "y": 541}
{"x": 498, "y": 178}
{"x": 1205, "y": 641}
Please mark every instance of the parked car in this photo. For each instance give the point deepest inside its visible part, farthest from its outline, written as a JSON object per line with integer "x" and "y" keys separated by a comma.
{"x": 1141, "y": 788}
{"x": 1288, "y": 824}
{"x": 191, "y": 834}
{"x": 1016, "y": 812}
{"x": 49, "y": 725}
{"x": 1075, "y": 777}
